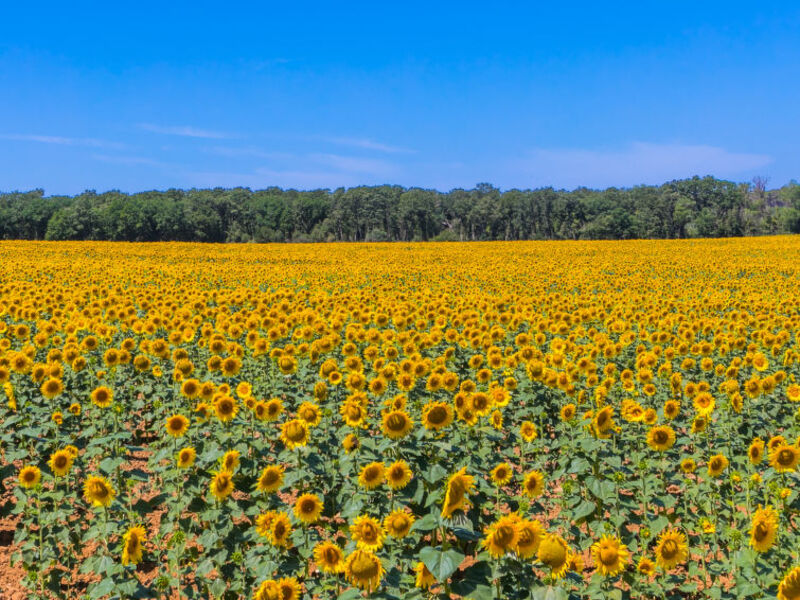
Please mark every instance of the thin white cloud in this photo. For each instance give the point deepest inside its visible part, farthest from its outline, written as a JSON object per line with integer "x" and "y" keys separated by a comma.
{"x": 185, "y": 131}
{"x": 638, "y": 163}
{"x": 60, "y": 140}
{"x": 366, "y": 144}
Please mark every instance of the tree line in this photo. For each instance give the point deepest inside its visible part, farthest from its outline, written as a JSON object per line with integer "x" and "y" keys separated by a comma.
{"x": 696, "y": 207}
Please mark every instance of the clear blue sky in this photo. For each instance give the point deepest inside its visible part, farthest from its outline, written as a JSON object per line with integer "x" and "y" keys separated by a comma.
{"x": 151, "y": 95}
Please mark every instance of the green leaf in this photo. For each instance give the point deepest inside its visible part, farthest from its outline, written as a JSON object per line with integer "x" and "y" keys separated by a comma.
{"x": 441, "y": 564}
{"x": 426, "y": 523}
{"x": 549, "y": 593}
{"x": 585, "y": 509}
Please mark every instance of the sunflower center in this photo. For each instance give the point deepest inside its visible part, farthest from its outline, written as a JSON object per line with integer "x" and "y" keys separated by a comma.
{"x": 369, "y": 532}
{"x": 437, "y": 415}
{"x": 99, "y": 490}
{"x": 761, "y": 532}
{"x": 504, "y": 535}
{"x": 669, "y": 549}
{"x": 60, "y": 461}
{"x": 364, "y": 567}
{"x": 295, "y": 432}
{"x": 396, "y": 422}
{"x": 785, "y": 457}
{"x": 608, "y": 555}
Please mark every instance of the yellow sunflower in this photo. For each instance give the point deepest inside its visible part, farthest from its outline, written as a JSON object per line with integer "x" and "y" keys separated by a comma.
{"x": 177, "y": 425}
{"x": 501, "y": 537}
{"x": 789, "y": 587}
{"x": 225, "y": 408}
{"x": 398, "y": 523}
{"x": 398, "y": 474}
{"x": 459, "y": 486}
{"x": 308, "y": 508}
{"x": 671, "y": 549}
{"x": 367, "y": 533}
{"x": 533, "y": 484}
{"x": 186, "y": 457}
{"x": 271, "y": 479}
{"x": 763, "y": 529}
{"x": 437, "y": 415}
{"x": 222, "y": 485}
{"x": 132, "y": 543}
{"x": 294, "y": 434}
{"x": 280, "y": 531}
{"x": 784, "y": 458}
{"x": 646, "y": 567}
{"x": 102, "y": 396}
{"x": 29, "y": 476}
{"x": 289, "y": 588}
{"x": 98, "y": 491}
{"x": 230, "y": 461}
{"x": 717, "y": 464}
{"x": 610, "y": 555}
{"x": 424, "y": 578}
{"x": 531, "y": 533}
{"x": 397, "y": 424}
{"x": 60, "y": 462}
{"x": 364, "y": 570}
{"x": 755, "y": 452}
{"x": 661, "y": 438}
{"x": 372, "y": 475}
{"x": 554, "y": 552}
{"x": 502, "y": 474}
{"x": 329, "y": 557}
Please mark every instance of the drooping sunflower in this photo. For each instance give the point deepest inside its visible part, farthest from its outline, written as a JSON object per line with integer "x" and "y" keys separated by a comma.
{"x": 671, "y": 549}
{"x": 533, "y": 484}
{"x": 132, "y": 543}
{"x": 308, "y": 508}
{"x": 501, "y": 537}
{"x": 186, "y": 457}
{"x": 60, "y": 462}
{"x": 717, "y": 464}
{"x": 29, "y": 476}
{"x": 610, "y": 555}
{"x": 398, "y": 523}
{"x": 397, "y": 424}
{"x": 271, "y": 479}
{"x": 102, "y": 396}
{"x": 98, "y": 491}
{"x": 367, "y": 533}
{"x": 763, "y": 528}
{"x": 531, "y": 533}
{"x": 280, "y": 531}
{"x": 554, "y": 552}
{"x": 424, "y": 578}
{"x": 789, "y": 587}
{"x": 225, "y": 408}
{"x": 502, "y": 474}
{"x": 364, "y": 570}
{"x": 329, "y": 557}
{"x": 177, "y": 425}
{"x": 661, "y": 438}
{"x": 229, "y": 461}
{"x": 398, "y": 474}
{"x": 294, "y": 434}
{"x": 784, "y": 458}
{"x": 372, "y": 475}
{"x": 437, "y": 415}
{"x": 459, "y": 486}
{"x": 222, "y": 485}
{"x": 755, "y": 452}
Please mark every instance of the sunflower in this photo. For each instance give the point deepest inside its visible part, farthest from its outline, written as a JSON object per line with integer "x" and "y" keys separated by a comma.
{"x": 437, "y": 415}
{"x": 225, "y": 408}
{"x": 186, "y": 457}
{"x": 424, "y": 578}
{"x": 271, "y": 479}
{"x": 603, "y": 422}
{"x": 372, "y": 475}
{"x": 264, "y": 521}
{"x": 554, "y": 552}
{"x": 717, "y": 464}
{"x": 268, "y": 590}
{"x": 397, "y": 424}
{"x": 763, "y": 529}
{"x": 98, "y": 491}
{"x": 102, "y": 396}
{"x": 755, "y": 452}
{"x": 132, "y": 545}
{"x": 688, "y": 465}
{"x": 501, "y": 536}
{"x": 52, "y": 388}
{"x": 177, "y": 425}
{"x": 398, "y": 474}
{"x": 203, "y": 411}
{"x": 289, "y": 588}
{"x": 329, "y": 557}
{"x": 307, "y": 508}
{"x": 367, "y": 533}
{"x": 533, "y": 484}
{"x": 310, "y": 413}
{"x": 671, "y": 549}
{"x": 502, "y": 474}
{"x": 646, "y": 567}
{"x": 222, "y": 485}
{"x": 672, "y": 409}
{"x": 74, "y": 409}
{"x": 789, "y": 587}
{"x": 350, "y": 443}
{"x": 280, "y": 531}
{"x": 60, "y": 462}
{"x": 784, "y": 458}
{"x": 661, "y": 438}
{"x": 294, "y": 433}
{"x": 29, "y": 476}
{"x": 190, "y": 388}
{"x": 459, "y": 486}
{"x": 527, "y": 431}
{"x": 364, "y": 570}
{"x": 274, "y": 409}
{"x": 530, "y": 536}
{"x": 398, "y": 523}
{"x": 610, "y": 555}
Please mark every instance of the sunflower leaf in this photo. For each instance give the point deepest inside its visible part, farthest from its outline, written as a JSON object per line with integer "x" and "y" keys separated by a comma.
{"x": 441, "y": 564}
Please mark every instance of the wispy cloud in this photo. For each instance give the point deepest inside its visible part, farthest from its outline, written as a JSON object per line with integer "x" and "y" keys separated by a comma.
{"x": 355, "y": 164}
{"x": 366, "y": 144}
{"x": 637, "y": 163}
{"x": 60, "y": 140}
{"x": 248, "y": 151}
{"x": 186, "y": 131}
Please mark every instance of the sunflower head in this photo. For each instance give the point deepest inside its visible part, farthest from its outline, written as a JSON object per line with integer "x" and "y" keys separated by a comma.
{"x": 397, "y": 424}
{"x": 307, "y": 508}
{"x": 763, "y": 529}
{"x": 398, "y": 474}
{"x": 186, "y": 457}
{"x": 398, "y": 523}
{"x": 98, "y": 491}
{"x": 502, "y": 474}
{"x": 364, "y": 570}
{"x": 367, "y": 533}
{"x": 222, "y": 485}
{"x": 554, "y": 552}
{"x": 459, "y": 486}
{"x": 671, "y": 549}
{"x": 610, "y": 555}
{"x": 177, "y": 425}
{"x": 372, "y": 475}
{"x": 29, "y": 476}
{"x": 329, "y": 557}
{"x": 294, "y": 434}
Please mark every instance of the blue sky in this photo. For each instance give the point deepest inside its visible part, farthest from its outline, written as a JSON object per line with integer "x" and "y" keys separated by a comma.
{"x": 146, "y": 95}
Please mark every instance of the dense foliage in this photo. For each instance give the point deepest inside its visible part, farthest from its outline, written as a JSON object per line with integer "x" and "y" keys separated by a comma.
{"x": 694, "y": 207}
{"x": 522, "y": 420}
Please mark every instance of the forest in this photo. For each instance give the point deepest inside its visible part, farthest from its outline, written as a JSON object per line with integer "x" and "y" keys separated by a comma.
{"x": 687, "y": 208}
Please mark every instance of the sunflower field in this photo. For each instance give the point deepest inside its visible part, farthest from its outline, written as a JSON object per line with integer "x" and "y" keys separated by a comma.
{"x": 521, "y": 420}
